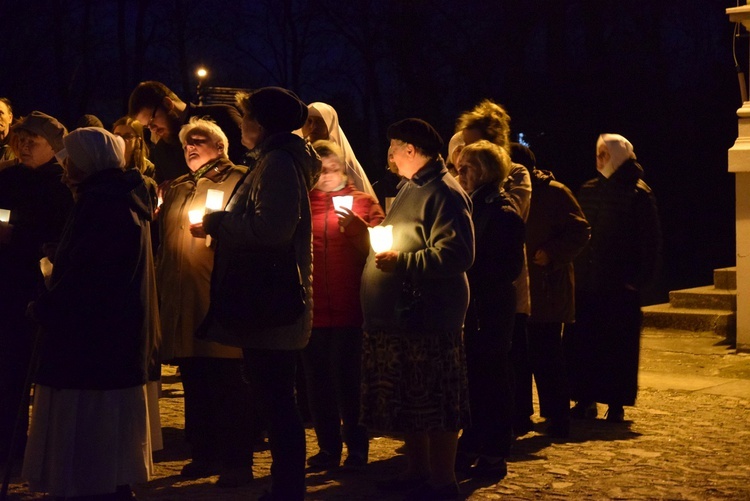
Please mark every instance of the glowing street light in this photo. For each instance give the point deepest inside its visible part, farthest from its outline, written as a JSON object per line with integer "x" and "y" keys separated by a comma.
{"x": 201, "y": 73}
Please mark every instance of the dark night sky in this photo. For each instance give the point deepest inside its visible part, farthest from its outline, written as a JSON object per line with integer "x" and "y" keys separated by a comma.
{"x": 659, "y": 72}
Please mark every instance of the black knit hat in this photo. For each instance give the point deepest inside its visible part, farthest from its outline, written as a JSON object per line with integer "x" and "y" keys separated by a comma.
{"x": 419, "y": 133}
{"x": 276, "y": 109}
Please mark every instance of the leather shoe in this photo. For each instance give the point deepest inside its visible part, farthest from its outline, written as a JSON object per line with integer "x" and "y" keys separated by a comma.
{"x": 200, "y": 469}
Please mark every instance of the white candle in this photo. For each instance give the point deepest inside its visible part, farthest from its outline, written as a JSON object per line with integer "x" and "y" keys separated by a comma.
{"x": 342, "y": 201}
{"x": 196, "y": 215}
{"x": 214, "y": 200}
{"x": 381, "y": 238}
{"x": 4, "y": 215}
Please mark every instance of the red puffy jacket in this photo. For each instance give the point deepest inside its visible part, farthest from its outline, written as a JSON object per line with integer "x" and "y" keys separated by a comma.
{"x": 339, "y": 257}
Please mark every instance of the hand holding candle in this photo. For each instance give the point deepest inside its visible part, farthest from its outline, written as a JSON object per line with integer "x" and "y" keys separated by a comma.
{"x": 381, "y": 240}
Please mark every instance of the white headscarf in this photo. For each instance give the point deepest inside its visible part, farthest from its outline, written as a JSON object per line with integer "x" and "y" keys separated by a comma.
{"x": 92, "y": 149}
{"x": 619, "y": 149}
{"x": 336, "y": 134}
{"x": 457, "y": 141}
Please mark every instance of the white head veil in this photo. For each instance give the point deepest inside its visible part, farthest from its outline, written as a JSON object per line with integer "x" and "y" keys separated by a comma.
{"x": 336, "y": 134}
{"x": 93, "y": 149}
{"x": 619, "y": 149}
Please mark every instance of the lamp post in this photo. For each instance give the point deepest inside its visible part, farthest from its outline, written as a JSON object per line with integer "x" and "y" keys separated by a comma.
{"x": 739, "y": 164}
{"x": 201, "y": 73}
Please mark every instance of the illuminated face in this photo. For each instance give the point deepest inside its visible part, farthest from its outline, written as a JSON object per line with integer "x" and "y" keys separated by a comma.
{"x": 34, "y": 150}
{"x": 315, "y": 129}
{"x": 131, "y": 139}
{"x": 397, "y": 154}
{"x": 469, "y": 173}
{"x": 602, "y": 157}
{"x": 158, "y": 122}
{"x": 6, "y": 117}
{"x": 200, "y": 149}
{"x": 252, "y": 132}
{"x": 332, "y": 174}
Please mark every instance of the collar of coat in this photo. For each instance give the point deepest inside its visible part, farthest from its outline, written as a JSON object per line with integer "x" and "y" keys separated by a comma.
{"x": 433, "y": 169}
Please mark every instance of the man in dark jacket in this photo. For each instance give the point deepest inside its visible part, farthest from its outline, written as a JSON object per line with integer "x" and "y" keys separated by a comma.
{"x": 38, "y": 203}
{"x": 618, "y": 262}
{"x": 155, "y": 106}
{"x": 556, "y": 232}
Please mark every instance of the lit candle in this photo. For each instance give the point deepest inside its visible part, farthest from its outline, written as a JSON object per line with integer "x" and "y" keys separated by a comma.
{"x": 196, "y": 215}
{"x": 214, "y": 200}
{"x": 342, "y": 201}
{"x": 4, "y": 215}
{"x": 381, "y": 238}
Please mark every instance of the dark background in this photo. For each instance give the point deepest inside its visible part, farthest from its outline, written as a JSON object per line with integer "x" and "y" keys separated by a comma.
{"x": 659, "y": 72}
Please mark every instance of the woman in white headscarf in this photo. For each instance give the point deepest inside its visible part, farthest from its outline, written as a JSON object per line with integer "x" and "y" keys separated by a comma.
{"x": 99, "y": 323}
{"x": 620, "y": 259}
{"x": 323, "y": 123}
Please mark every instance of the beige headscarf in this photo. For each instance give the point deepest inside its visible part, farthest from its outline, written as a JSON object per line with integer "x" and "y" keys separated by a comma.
{"x": 619, "y": 149}
{"x": 93, "y": 149}
{"x": 353, "y": 169}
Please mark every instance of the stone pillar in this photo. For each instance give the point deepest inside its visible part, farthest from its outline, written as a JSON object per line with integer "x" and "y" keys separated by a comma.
{"x": 739, "y": 164}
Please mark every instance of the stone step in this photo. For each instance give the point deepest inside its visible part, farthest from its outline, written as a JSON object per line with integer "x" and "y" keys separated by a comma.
{"x": 706, "y": 297}
{"x": 725, "y": 278}
{"x": 664, "y": 316}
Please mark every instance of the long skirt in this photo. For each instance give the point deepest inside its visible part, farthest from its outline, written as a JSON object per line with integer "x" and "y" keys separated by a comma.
{"x": 87, "y": 442}
{"x": 603, "y": 348}
{"x": 414, "y": 383}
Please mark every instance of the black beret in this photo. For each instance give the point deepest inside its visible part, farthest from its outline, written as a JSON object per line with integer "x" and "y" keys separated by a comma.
{"x": 277, "y": 109}
{"x": 419, "y": 133}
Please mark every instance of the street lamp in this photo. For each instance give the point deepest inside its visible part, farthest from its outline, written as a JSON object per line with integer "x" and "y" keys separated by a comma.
{"x": 201, "y": 73}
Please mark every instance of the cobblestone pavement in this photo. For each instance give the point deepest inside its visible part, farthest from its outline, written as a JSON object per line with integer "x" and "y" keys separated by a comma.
{"x": 688, "y": 438}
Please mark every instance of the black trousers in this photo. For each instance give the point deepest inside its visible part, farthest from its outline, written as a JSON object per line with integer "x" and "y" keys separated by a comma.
{"x": 219, "y": 411}
{"x": 548, "y": 367}
{"x": 333, "y": 364}
{"x": 523, "y": 406}
{"x": 16, "y": 340}
{"x": 271, "y": 374}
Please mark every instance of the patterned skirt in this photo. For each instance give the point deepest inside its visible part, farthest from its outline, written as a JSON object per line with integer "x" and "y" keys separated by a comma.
{"x": 414, "y": 383}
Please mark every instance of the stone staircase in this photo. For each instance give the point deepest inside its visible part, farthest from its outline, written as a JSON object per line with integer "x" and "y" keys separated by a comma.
{"x": 707, "y": 309}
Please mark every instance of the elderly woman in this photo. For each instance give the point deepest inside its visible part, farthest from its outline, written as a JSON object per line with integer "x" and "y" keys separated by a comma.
{"x": 323, "y": 124}
{"x": 414, "y": 299}
{"x": 268, "y": 217}
{"x": 99, "y": 320}
{"x": 217, "y": 401}
{"x": 38, "y": 204}
{"x": 332, "y": 359}
{"x": 620, "y": 259}
{"x": 499, "y": 232}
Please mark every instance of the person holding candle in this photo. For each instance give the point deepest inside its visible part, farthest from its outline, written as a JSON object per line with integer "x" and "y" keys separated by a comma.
{"x": 332, "y": 359}
{"x": 99, "y": 326}
{"x": 217, "y": 401}
{"x": 38, "y": 204}
{"x": 414, "y": 301}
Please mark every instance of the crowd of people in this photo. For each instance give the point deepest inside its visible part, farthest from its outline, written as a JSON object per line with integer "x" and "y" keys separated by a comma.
{"x": 239, "y": 243}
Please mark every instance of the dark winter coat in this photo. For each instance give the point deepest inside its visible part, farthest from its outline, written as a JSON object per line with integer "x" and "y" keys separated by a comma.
{"x": 499, "y": 239}
{"x": 339, "y": 257}
{"x": 99, "y": 317}
{"x": 557, "y": 226}
{"x": 434, "y": 237}
{"x": 269, "y": 210}
{"x": 625, "y": 246}
{"x": 39, "y": 205}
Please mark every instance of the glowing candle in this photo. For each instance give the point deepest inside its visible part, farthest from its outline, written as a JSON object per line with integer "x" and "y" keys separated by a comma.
{"x": 4, "y": 215}
{"x": 214, "y": 200}
{"x": 381, "y": 238}
{"x": 342, "y": 201}
{"x": 196, "y": 215}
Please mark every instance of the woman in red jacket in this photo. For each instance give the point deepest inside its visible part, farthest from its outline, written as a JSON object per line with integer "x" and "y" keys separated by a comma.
{"x": 333, "y": 356}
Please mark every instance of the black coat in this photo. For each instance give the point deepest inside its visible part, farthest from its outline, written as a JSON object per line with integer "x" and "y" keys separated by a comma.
{"x": 557, "y": 226}
{"x": 625, "y": 245}
{"x": 498, "y": 259}
{"x": 99, "y": 316}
